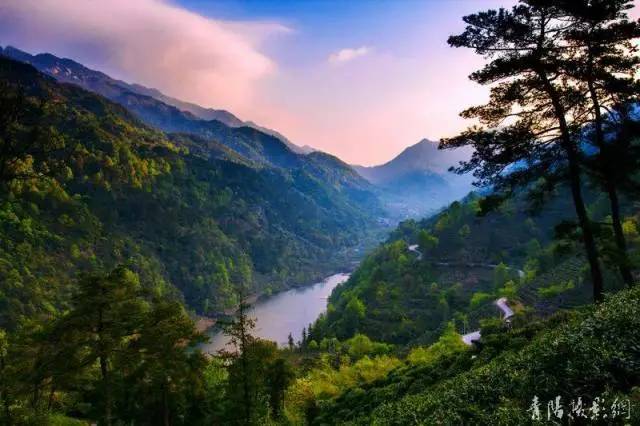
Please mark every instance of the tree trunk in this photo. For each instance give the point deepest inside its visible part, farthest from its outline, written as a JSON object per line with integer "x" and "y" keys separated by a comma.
{"x": 7, "y": 408}
{"x": 4, "y": 391}
{"x": 104, "y": 370}
{"x": 585, "y": 225}
{"x": 107, "y": 390}
{"x": 245, "y": 366}
{"x": 621, "y": 243}
{"x": 576, "y": 189}
{"x": 165, "y": 404}
{"x": 51, "y": 394}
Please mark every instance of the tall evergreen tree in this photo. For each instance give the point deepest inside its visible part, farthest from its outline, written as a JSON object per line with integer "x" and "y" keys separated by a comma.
{"x": 5, "y": 397}
{"x": 279, "y": 376}
{"x": 239, "y": 332}
{"x": 164, "y": 368}
{"x": 107, "y": 313}
{"x": 530, "y": 116}
{"x": 602, "y": 57}
{"x": 290, "y": 342}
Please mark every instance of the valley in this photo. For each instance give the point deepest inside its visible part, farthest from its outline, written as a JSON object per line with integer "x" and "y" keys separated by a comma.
{"x": 188, "y": 235}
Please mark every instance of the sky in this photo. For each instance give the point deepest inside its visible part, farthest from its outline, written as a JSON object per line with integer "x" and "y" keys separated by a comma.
{"x": 358, "y": 79}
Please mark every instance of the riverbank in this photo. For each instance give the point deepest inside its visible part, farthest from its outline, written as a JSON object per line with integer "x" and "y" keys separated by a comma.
{"x": 285, "y": 313}
{"x": 204, "y": 323}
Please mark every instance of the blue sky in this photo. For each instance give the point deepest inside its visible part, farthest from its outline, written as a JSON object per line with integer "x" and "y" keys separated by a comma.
{"x": 367, "y": 116}
{"x": 404, "y": 27}
{"x": 359, "y": 79}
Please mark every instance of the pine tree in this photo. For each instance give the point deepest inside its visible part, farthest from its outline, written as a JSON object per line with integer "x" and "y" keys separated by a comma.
{"x": 107, "y": 313}
{"x": 239, "y": 332}
{"x": 537, "y": 103}
{"x": 290, "y": 342}
{"x": 279, "y": 376}
{"x": 164, "y": 365}
{"x": 5, "y": 397}
{"x": 603, "y": 57}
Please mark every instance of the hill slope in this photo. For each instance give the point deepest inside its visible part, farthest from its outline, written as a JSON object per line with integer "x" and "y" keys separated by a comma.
{"x": 466, "y": 262}
{"x": 194, "y": 224}
{"x": 69, "y": 71}
{"x": 590, "y": 354}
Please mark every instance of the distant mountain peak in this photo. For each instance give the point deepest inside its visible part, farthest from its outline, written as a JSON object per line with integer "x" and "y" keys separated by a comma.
{"x": 417, "y": 180}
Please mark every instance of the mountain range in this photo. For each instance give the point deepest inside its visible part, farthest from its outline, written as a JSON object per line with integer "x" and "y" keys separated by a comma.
{"x": 192, "y": 214}
{"x": 417, "y": 182}
{"x": 70, "y": 71}
{"x": 413, "y": 184}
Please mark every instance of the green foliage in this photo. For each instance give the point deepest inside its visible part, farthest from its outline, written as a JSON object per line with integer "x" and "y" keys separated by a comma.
{"x": 116, "y": 344}
{"x": 360, "y": 346}
{"x": 480, "y": 298}
{"x": 464, "y": 231}
{"x": 555, "y": 289}
{"x": 496, "y": 384}
{"x": 194, "y": 226}
{"x": 409, "y": 302}
{"x": 501, "y": 275}
{"x": 509, "y": 290}
{"x": 449, "y": 343}
{"x": 426, "y": 241}
{"x": 324, "y": 382}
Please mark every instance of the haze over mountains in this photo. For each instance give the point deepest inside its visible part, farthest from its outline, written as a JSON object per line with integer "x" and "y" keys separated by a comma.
{"x": 414, "y": 183}
{"x": 417, "y": 181}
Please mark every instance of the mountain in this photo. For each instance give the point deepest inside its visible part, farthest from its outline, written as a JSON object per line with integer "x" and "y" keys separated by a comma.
{"x": 460, "y": 261}
{"x": 195, "y": 219}
{"x": 417, "y": 182}
{"x": 423, "y": 156}
{"x": 69, "y": 71}
{"x": 252, "y": 143}
{"x": 305, "y": 149}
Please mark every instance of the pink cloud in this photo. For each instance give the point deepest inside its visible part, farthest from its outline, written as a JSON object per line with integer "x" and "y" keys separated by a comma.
{"x": 152, "y": 42}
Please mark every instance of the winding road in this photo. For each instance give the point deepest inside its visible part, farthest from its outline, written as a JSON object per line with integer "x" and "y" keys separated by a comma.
{"x": 501, "y": 303}
{"x": 507, "y": 313}
{"x": 414, "y": 248}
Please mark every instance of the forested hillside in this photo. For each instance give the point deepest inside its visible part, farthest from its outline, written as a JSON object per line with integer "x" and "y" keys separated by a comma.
{"x": 589, "y": 354}
{"x": 255, "y": 143}
{"x": 126, "y": 214}
{"x": 194, "y": 218}
{"x": 461, "y": 264}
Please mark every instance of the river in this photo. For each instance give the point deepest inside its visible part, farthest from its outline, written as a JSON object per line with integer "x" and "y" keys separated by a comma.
{"x": 284, "y": 313}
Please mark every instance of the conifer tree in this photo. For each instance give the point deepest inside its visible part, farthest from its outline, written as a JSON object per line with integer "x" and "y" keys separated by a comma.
{"x": 279, "y": 376}
{"x": 107, "y": 313}
{"x": 290, "y": 342}
{"x": 603, "y": 57}
{"x": 530, "y": 122}
{"x": 239, "y": 332}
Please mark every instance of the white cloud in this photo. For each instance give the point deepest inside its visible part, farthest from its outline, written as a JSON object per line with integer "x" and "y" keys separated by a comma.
{"x": 152, "y": 42}
{"x": 348, "y": 54}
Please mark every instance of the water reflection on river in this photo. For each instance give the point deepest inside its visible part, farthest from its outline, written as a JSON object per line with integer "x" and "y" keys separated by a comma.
{"x": 286, "y": 312}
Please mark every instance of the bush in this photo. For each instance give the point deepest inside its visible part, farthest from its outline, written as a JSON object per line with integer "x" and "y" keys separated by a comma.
{"x": 479, "y": 298}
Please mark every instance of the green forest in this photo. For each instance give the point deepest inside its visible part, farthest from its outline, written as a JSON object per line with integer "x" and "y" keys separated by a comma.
{"x": 125, "y": 222}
